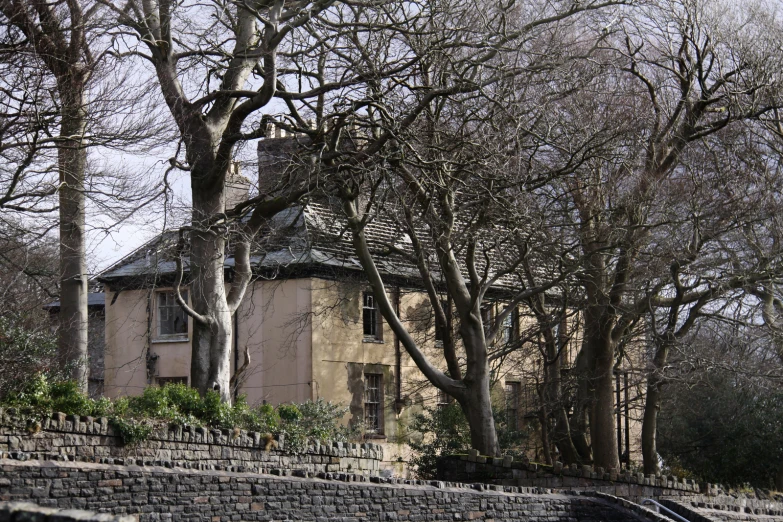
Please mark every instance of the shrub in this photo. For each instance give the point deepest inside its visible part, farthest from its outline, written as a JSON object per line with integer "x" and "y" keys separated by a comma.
{"x": 133, "y": 418}
{"x": 311, "y": 420}
{"x": 26, "y": 352}
{"x": 444, "y": 431}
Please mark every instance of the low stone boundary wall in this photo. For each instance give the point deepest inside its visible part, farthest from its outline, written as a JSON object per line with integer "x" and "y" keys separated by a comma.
{"x": 723, "y": 508}
{"x": 62, "y": 437}
{"x": 158, "y": 493}
{"x": 505, "y": 471}
{"x": 27, "y": 512}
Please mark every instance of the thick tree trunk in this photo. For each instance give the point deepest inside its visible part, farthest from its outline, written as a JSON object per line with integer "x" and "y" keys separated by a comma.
{"x": 553, "y": 401}
{"x": 602, "y": 427}
{"x": 652, "y": 407}
{"x": 578, "y": 423}
{"x": 211, "y": 346}
{"x": 72, "y": 160}
{"x": 478, "y": 410}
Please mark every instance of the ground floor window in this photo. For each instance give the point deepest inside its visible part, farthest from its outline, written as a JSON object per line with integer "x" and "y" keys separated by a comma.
{"x": 163, "y": 381}
{"x": 373, "y": 403}
{"x": 513, "y": 392}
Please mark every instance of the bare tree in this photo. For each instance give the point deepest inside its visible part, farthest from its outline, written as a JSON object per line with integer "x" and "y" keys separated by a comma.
{"x": 428, "y": 147}
{"x": 58, "y": 49}
{"x": 681, "y": 75}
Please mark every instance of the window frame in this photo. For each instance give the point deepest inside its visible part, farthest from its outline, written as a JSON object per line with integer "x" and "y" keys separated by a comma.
{"x": 163, "y": 381}
{"x": 443, "y": 399}
{"x": 512, "y": 395}
{"x": 375, "y": 323}
{"x": 171, "y": 307}
{"x": 373, "y": 402}
{"x": 510, "y": 327}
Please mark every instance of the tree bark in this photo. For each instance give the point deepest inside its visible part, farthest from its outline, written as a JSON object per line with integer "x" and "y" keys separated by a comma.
{"x": 477, "y": 406}
{"x": 602, "y": 426}
{"x": 652, "y": 406}
{"x": 212, "y": 325}
{"x": 578, "y": 423}
{"x": 72, "y": 159}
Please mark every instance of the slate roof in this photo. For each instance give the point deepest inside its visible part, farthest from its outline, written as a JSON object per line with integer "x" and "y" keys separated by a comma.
{"x": 312, "y": 235}
{"x": 94, "y": 300}
{"x": 302, "y": 235}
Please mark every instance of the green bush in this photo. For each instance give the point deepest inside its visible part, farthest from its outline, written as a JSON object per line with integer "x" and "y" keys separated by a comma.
{"x": 444, "y": 431}
{"x": 133, "y": 418}
{"x": 26, "y": 352}
{"x": 318, "y": 420}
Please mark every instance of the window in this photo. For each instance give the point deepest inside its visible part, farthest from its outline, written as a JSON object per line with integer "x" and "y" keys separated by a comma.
{"x": 513, "y": 392}
{"x": 371, "y": 318}
{"x": 440, "y": 329}
{"x": 444, "y": 399}
{"x": 487, "y": 316}
{"x": 373, "y": 401}
{"x": 163, "y": 381}
{"x": 172, "y": 319}
{"x": 510, "y": 331}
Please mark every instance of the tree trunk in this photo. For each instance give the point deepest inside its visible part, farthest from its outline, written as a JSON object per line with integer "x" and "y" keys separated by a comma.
{"x": 211, "y": 346}
{"x": 779, "y": 478}
{"x": 553, "y": 400}
{"x": 578, "y": 423}
{"x": 652, "y": 407}
{"x": 72, "y": 160}
{"x": 477, "y": 407}
{"x": 602, "y": 427}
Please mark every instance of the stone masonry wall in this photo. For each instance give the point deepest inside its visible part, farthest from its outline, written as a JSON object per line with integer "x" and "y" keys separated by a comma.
{"x": 722, "y": 508}
{"x": 62, "y": 437}
{"x": 29, "y": 512}
{"x": 156, "y": 493}
{"x": 473, "y": 468}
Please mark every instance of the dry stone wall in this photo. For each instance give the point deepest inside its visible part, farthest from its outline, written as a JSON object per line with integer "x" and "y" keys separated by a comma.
{"x": 157, "y": 493}
{"x": 722, "y": 508}
{"x": 66, "y": 437}
{"x": 473, "y": 468}
{"x": 29, "y": 512}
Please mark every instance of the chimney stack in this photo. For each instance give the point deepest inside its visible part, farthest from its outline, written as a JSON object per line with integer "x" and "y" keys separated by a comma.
{"x": 237, "y": 187}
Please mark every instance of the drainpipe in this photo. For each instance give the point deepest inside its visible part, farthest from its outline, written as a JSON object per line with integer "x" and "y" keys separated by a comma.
{"x": 397, "y": 354}
{"x": 236, "y": 354}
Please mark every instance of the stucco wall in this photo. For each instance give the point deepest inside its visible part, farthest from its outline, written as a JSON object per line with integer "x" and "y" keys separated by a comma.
{"x": 274, "y": 324}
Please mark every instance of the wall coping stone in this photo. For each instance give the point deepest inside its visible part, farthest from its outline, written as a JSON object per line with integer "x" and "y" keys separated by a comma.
{"x": 494, "y": 470}
{"x": 60, "y": 422}
{"x": 27, "y": 511}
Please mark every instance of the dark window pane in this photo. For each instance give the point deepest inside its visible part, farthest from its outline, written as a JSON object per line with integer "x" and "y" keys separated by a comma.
{"x": 373, "y": 400}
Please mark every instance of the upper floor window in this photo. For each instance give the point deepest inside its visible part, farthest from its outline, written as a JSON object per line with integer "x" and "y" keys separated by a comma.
{"x": 510, "y": 327}
{"x": 371, "y": 317}
{"x": 444, "y": 399}
{"x": 172, "y": 319}
{"x": 441, "y": 329}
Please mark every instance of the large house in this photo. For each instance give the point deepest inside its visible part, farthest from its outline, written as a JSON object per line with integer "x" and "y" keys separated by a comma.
{"x": 308, "y": 323}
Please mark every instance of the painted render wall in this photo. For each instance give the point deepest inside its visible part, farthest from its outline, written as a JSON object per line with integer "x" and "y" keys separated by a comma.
{"x": 269, "y": 324}
{"x": 305, "y": 340}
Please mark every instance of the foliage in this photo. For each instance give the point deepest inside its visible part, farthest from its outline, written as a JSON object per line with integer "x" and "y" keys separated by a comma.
{"x": 724, "y": 430}
{"x": 444, "y": 431}
{"x": 25, "y": 351}
{"x": 133, "y": 418}
{"x": 318, "y": 420}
